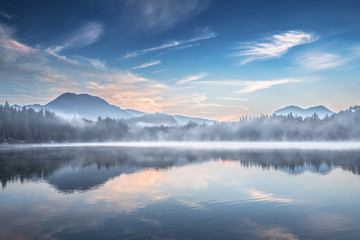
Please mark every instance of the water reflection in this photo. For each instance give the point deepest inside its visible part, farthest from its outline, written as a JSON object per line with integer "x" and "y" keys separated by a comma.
{"x": 70, "y": 169}
{"x": 166, "y": 193}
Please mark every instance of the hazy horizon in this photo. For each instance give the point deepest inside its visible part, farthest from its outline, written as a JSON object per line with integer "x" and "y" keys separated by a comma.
{"x": 69, "y": 115}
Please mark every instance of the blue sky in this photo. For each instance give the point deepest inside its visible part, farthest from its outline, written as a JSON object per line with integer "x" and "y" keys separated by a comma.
{"x": 214, "y": 59}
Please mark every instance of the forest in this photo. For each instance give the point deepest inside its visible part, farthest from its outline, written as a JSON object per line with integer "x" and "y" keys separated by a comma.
{"x": 29, "y": 126}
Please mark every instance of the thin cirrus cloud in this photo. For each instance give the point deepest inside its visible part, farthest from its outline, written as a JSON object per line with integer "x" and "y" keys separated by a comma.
{"x": 273, "y": 47}
{"x": 234, "y": 99}
{"x": 5, "y": 15}
{"x": 159, "y": 71}
{"x": 97, "y": 63}
{"x": 149, "y": 64}
{"x": 159, "y": 15}
{"x": 322, "y": 61}
{"x": 127, "y": 90}
{"x": 201, "y": 34}
{"x": 83, "y": 36}
{"x": 250, "y": 86}
{"x": 192, "y": 78}
{"x": 8, "y": 43}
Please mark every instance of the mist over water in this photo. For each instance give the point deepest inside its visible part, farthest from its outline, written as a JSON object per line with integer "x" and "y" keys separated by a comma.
{"x": 190, "y": 191}
{"x": 205, "y": 145}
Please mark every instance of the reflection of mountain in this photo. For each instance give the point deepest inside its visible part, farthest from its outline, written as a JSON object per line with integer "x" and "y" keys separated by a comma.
{"x": 84, "y": 178}
{"x": 70, "y": 169}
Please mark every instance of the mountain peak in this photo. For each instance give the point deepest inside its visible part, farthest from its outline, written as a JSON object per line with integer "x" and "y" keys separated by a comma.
{"x": 85, "y": 105}
{"x": 291, "y": 107}
{"x": 72, "y": 96}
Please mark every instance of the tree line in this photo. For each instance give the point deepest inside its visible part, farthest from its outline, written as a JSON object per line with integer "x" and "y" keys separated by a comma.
{"x": 29, "y": 126}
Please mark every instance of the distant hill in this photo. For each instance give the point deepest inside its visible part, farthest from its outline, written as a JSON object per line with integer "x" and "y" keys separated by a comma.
{"x": 85, "y": 105}
{"x": 71, "y": 105}
{"x": 350, "y": 112}
{"x": 321, "y": 111}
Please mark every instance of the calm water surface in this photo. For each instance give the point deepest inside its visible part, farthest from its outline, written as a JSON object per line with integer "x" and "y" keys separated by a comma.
{"x": 127, "y": 192}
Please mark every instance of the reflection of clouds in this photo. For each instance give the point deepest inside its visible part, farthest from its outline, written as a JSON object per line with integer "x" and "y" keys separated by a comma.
{"x": 191, "y": 185}
{"x": 132, "y": 191}
{"x": 134, "y": 182}
{"x": 260, "y": 231}
{"x": 192, "y": 204}
{"x": 151, "y": 221}
{"x": 269, "y": 197}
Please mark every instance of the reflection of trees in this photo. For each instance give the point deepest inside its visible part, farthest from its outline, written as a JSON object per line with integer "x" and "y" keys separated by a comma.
{"x": 43, "y": 163}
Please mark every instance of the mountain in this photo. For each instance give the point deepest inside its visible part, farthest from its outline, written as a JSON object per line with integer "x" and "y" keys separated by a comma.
{"x": 71, "y": 105}
{"x": 321, "y": 111}
{"x": 84, "y": 105}
{"x": 353, "y": 111}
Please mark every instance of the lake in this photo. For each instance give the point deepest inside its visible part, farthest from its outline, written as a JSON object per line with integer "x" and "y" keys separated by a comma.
{"x": 180, "y": 191}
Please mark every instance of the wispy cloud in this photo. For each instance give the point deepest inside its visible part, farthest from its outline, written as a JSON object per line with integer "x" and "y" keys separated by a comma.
{"x": 61, "y": 57}
{"x": 5, "y": 15}
{"x": 159, "y": 71}
{"x": 86, "y": 35}
{"x": 8, "y": 43}
{"x": 192, "y": 78}
{"x": 159, "y": 15}
{"x": 187, "y": 46}
{"x": 52, "y": 77}
{"x": 250, "y": 86}
{"x": 273, "y": 46}
{"x": 97, "y": 63}
{"x": 234, "y": 99}
{"x": 147, "y": 50}
{"x": 127, "y": 90}
{"x": 83, "y": 36}
{"x": 149, "y": 64}
{"x": 201, "y": 34}
{"x": 321, "y": 61}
